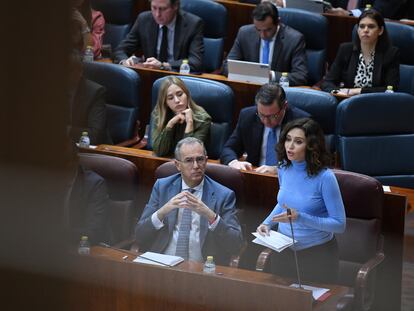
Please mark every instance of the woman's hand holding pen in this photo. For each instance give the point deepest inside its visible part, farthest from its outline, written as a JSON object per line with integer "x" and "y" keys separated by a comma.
{"x": 284, "y": 217}
{"x": 263, "y": 230}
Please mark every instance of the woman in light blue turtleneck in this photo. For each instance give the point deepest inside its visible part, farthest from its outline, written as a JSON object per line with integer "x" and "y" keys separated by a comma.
{"x": 311, "y": 191}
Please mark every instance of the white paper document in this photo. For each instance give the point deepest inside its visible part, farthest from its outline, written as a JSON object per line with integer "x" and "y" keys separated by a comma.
{"x": 159, "y": 259}
{"x": 317, "y": 292}
{"x": 275, "y": 240}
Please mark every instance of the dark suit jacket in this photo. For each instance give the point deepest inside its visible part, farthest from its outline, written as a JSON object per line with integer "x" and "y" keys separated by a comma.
{"x": 386, "y": 69}
{"x": 188, "y": 40}
{"x": 248, "y": 135}
{"x": 89, "y": 113}
{"x": 289, "y": 53}
{"x": 221, "y": 243}
{"x": 393, "y": 9}
{"x": 88, "y": 208}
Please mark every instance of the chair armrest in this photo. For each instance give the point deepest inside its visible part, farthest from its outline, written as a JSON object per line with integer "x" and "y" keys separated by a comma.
{"x": 235, "y": 259}
{"x": 262, "y": 260}
{"x": 345, "y": 303}
{"x": 365, "y": 282}
{"x": 125, "y": 244}
{"x": 136, "y": 141}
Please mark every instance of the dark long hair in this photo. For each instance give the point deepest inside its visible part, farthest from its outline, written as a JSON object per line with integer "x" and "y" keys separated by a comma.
{"x": 316, "y": 155}
{"x": 384, "y": 41}
{"x": 86, "y": 10}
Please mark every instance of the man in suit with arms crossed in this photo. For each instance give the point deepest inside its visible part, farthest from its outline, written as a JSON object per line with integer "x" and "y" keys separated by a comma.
{"x": 193, "y": 198}
{"x": 270, "y": 42}
{"x": 258, "y": 129}
{"x": 166, "y": 36}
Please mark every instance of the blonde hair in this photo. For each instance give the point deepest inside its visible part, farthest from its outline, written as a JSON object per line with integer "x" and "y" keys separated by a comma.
{"x": 162, "y": 109}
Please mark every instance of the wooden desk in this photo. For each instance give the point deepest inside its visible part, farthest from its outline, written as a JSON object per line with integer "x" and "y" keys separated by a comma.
{"x": 106, "y": 282}
{"x": 257, "y": 204}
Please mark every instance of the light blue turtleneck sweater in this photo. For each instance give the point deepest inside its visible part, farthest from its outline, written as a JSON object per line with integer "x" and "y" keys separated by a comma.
{"x": 318, "y": 201}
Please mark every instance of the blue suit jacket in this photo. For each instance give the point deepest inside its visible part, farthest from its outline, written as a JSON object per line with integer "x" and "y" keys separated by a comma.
{"x": 248, "y": 135}
{"x": 221, "y": 243}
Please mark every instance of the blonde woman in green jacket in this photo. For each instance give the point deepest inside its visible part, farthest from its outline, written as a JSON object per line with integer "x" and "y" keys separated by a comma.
{"x": 175, "y": 117}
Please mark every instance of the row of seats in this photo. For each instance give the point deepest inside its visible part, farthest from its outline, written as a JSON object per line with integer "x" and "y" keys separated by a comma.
{"x": 118, "y": 15}
{"x": 371, "y": 132}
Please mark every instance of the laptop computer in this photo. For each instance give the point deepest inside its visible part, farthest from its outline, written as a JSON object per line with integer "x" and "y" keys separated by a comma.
{"x": 315, "y": 6}
{"x": 248, "y": 71}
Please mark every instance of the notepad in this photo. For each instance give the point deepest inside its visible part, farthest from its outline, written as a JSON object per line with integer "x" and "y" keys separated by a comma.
{"x": 276, "y": 241}
{"x": 158, "y": 259}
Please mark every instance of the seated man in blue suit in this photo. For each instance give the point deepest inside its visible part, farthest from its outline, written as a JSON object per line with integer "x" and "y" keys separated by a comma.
{"x": 189, "y": 214}
{"x": 270, "y": 42}
{"x": 258, "y": 129}
{"x": 165, "y": 35}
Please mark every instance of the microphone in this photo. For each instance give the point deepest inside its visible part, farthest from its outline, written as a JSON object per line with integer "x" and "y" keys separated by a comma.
{"x": 289, "y": 213}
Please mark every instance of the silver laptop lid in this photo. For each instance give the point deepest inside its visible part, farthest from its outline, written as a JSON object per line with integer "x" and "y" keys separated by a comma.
{"x": 248, "y": 71}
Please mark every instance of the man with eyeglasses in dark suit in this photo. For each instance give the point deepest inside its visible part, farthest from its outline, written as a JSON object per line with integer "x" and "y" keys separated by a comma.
{"x": 258, "y": 129}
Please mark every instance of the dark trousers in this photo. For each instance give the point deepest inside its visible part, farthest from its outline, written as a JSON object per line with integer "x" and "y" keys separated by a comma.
{"x": 316, "y": 264}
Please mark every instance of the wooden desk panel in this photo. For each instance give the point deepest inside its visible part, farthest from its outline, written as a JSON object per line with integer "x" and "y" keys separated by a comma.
{"x": 259, "y": 198}
{"x": 106, "y": 282}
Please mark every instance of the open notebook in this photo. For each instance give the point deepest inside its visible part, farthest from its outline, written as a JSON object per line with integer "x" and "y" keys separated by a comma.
{"x": 159, "y": 259}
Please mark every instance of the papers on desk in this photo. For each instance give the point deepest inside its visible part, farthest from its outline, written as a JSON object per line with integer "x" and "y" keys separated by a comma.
{"x": 159, "y": 259}
{"x": 386, "y": 188}
{"x": 275, "y": 240}
{"x": 318, "y": 293}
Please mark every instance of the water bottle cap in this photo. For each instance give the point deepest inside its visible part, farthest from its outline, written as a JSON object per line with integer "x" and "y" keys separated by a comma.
{"x": 389, "y": 87}
{"x": 284, "y": 74}
{"x": 210, "y": 258}
{"x": 368, "y": 6}
{"x": 85, "y": 133}
{"x": 84, "y": 238}
{"x": 185, "y": 61}
{"x": 89, "y": 47}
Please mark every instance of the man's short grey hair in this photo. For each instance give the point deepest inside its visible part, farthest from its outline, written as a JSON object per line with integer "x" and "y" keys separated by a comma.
{"x": 172, "y": 2}
{"x": 187, "y": 141}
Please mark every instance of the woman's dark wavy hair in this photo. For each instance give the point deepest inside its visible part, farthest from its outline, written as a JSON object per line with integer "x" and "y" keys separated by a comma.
{"x": 383, "y": 40}
{"x": 316, "y": 155}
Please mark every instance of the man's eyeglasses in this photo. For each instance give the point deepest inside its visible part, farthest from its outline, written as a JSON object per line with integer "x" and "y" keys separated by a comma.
{"x": 272, "y": 116}
{"x": 190, "y": 161}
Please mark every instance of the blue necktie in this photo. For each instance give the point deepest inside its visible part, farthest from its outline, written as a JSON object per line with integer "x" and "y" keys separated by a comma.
{"x": 183, "y": 240}
{"x": 265, "y": 52}
{"x": 271, "y": 157}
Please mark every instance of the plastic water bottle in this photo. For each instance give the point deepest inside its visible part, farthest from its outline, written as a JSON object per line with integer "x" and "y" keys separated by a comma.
{"x": 88, "y": 54}
{"x": 389, "y": 89}
{"x": 185, "y": 67}
{"x": 368, "y": 7}
{"x": 209, "y": 265}
{"x": 284, "y": 80}
{"x": 84, "y": 140}
{"x": 84, "y": 246}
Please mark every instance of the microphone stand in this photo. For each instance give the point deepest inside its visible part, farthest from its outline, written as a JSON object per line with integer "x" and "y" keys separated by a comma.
{"x": 289, "y": 213}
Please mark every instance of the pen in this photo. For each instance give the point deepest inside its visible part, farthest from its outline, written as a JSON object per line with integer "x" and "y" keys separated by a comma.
{"x": 125, "y": 257}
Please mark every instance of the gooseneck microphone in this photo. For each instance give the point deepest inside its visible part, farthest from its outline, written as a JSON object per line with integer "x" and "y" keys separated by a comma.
{"x": 289, "y": 213}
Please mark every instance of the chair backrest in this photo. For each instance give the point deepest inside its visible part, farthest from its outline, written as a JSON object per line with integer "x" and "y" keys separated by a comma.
{"x": 320, "y": 105}
{"x": 118, "y": 16}
{"x": 376, "y": 136}
{"x": 217, "y": 99}
{"x": 214, "y": 16}
{"x": 223, "y": 174}
{"x": 314, "y": 27}
{"x": 121, "y": 177}
{"x": 363, "y": 200}
{"x": 402, "y": 36}
{"x": 122, "y": 96}
{"x": 406, "y": 79}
